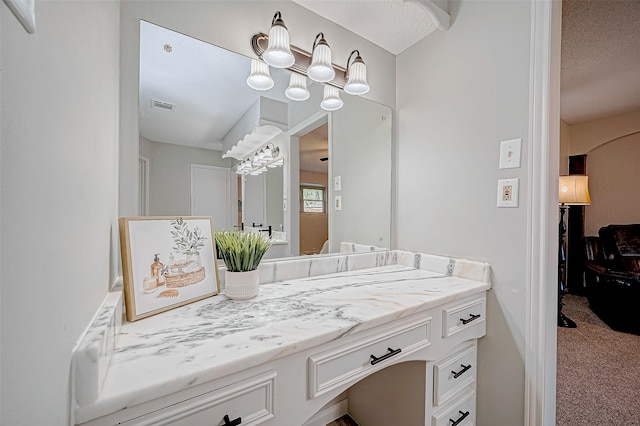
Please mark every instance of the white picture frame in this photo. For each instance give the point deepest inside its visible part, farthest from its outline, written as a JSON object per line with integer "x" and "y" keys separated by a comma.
{"x": 166, "y": 262}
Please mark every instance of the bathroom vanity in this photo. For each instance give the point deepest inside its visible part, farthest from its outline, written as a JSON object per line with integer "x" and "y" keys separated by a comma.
{"x": 319, "y": 327}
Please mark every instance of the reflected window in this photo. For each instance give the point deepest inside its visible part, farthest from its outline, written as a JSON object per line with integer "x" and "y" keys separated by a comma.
{"x": 312, "y": 198}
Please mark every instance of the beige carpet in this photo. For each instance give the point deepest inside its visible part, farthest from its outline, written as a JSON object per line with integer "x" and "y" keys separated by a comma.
{"x": 598, "y": 371}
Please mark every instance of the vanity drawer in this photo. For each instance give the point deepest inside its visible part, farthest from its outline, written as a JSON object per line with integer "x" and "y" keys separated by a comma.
{"x": 250, "y": 399}
{"x": 461, "y": 413}
{"x": 463, "y": 316}
{"x": 337, "y": 366}
{"x": 454, "y": 373}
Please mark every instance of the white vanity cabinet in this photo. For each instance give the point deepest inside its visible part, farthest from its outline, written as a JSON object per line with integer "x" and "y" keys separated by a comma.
{"x": 409, "y": 333}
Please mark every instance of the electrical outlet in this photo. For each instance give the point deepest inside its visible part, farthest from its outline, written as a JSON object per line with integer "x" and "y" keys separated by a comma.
{"x": 338, "y": 203}
{"x": 508, "y": 192}
{"x": 510, "y": 154}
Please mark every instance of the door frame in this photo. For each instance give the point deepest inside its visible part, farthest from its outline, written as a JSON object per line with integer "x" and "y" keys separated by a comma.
{"x": 542, "y": 213}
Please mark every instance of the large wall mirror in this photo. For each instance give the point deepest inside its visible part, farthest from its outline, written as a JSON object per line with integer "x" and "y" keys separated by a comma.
{"x": 332, "y": 185}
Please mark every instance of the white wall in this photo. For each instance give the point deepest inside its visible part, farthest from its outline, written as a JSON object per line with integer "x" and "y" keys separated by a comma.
{"x": 59, "y": 196}
{"x": 170, "y": 175}
{"x": 459, "y": 93}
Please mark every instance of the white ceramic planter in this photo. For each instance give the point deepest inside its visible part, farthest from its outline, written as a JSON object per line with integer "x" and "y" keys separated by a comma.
{"x": 241, "y": 285}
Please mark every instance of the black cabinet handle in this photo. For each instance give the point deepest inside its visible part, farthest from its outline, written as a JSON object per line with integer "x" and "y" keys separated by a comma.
{"x": 375, "y": 360}
{"x": 461, "y": 372}
{"x": 467, "y": 321}
{"x": 461, "y": 418}
{"x": 228, "y": 422}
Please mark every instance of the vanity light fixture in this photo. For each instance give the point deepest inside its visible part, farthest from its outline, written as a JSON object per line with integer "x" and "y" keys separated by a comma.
{"x": 321, "y": 69}
{"x": 356, "y": 75}
{"x": 331, "y": 100}
{"x": 278, "y": 53}
{"x": 315, "y": 65}
{"x": 297, "y": 90}
{"x": 257, "y": 162}
{"x": 259, "y": 79}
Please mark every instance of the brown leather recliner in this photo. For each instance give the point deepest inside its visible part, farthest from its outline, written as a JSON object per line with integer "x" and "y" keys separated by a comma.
{"x": 612, "y": 276}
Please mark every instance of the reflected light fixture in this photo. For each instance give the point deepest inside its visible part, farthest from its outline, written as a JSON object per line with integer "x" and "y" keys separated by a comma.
{"x": 321, "y": 69}
{"x": 297, "y": 90}
{"x": 259, "y": 79}
{"x": 331, "y": 100}
{"x": 356, "y": 75}
{"x": 278, "y": 53}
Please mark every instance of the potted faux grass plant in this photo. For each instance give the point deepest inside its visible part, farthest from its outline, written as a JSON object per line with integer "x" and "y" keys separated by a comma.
{"x": 241, "y": 253}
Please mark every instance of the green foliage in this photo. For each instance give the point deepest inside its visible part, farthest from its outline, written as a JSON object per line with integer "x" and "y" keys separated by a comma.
{"x": 241, "y": 251}
{"x": 186, "y": 241}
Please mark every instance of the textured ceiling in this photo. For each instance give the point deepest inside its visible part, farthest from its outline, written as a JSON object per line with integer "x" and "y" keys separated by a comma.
{"x": 393, "y": 25}
{"x": 600, "y": 58}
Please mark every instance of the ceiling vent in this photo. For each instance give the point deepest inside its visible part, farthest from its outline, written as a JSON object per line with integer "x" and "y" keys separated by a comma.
{"x": 162, "y": 105}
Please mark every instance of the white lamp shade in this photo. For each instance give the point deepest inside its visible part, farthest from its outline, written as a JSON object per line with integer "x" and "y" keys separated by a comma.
{"x": 297, "y": 90}
{"x": 278, "y": 53}
{"x": 357, "y": 83}
{"x": 331, "y": 100}
{"x": 574, "y": 190}
{"x": 321, "y": 69}
{"x": 259, "y": 79}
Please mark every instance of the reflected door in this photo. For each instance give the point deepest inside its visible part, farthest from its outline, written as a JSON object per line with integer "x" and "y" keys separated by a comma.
{"x": 211, "y": 194}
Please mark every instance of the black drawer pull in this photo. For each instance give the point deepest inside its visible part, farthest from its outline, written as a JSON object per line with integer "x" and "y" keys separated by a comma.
{"x": 228, "y": 422}
{"x": 457, "y": 422}
{"x": 467, "y": 321}
{"x": 461, "y": 372}
{"x": 375, "y": 360}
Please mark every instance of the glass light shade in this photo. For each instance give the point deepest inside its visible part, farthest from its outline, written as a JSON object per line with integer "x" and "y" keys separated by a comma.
{"x": 574, "y": 190}
{"x": 321, "y": 69}
{"x": 259, "y": 79}
{"x": 256, "y": 160}
{"x": 297, "y": 90}
{"x": 278, "y": 53}
{"x": 331, "y": 100}
{"x": 268, "y": 156}
{"x": 357, "y": 82}
{"x": 261, "y": 155}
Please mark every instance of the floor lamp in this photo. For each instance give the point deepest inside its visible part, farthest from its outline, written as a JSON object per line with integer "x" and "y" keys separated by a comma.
{"x": 573, "y": 191}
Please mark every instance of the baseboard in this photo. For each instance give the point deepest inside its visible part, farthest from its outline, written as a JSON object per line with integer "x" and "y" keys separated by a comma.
{"x": 328, "y": 414}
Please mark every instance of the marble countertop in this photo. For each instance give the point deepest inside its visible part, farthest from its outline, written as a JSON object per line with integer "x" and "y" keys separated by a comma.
{"x": 216, "y": 337}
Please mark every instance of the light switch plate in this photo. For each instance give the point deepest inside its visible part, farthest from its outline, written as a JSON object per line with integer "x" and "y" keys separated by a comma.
{"x": 338, "y": 203}
{"x": 510, "y": 154}
{"x": 337, "y": 183}
{"x": 508, "y": 192}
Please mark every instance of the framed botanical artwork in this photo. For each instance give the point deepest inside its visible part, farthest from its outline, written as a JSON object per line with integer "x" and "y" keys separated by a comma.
{"x": 166, "y": 262}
